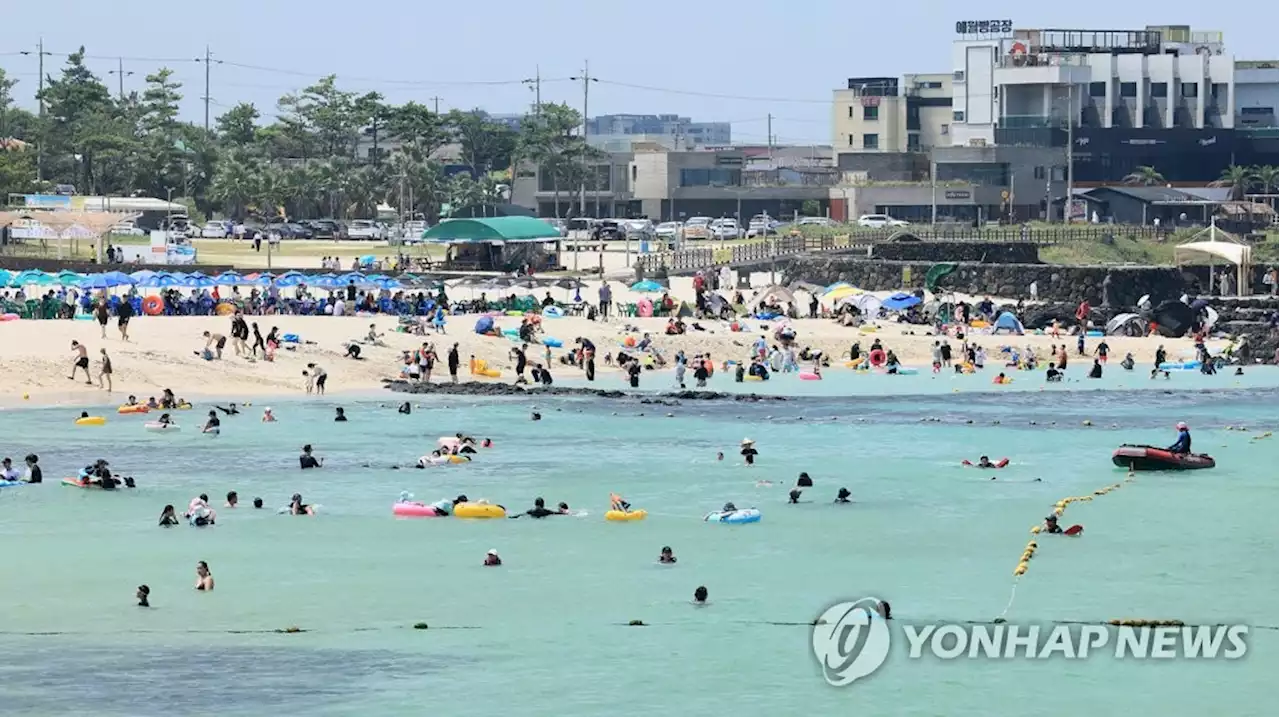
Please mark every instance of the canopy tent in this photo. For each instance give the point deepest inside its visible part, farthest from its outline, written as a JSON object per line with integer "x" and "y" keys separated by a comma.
{"x": 1214, "y": 242}
{"x": 62, "y": 225}
{"x": 1006, "y": 321}
{"x": 1173, "y": 318}
{"x": 900, "y": 301}
{"x": 493, "y": 229}
{"x": 1125, "y": 325}
{"x": 779, "y": 293}
{"x": 866, "y": 304}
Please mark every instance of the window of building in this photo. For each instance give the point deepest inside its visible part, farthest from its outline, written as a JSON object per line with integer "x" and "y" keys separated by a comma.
{"x": 957, "y": 76}
{"x": 933, "y": 85}
{"x": 710, "y": 177}
{"x": 1128, "y": 89}
{"x": 913, "y": 142}
{"x": 1058, "y": 174}
{"x": 1097, "y": 89}
{"x": 957, "y": 116}
{"x": 850, "y": 111}
{"x": 944, "y": 129}
{"x": 1159, "y": 89}
{"x": 850, "y": 140}
{"x": 633, "y": 173}
{"x": 1190, "y": 89}
{"x": 1039, "y": 172}
{"x": 871, "y": 141}
{"x": 871, "y": 114}
{"x": 1257, "y": 110}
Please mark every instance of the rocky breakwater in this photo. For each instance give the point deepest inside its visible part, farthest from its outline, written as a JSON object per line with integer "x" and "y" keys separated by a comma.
{"x": 1115, "y": 285}
{"x": 477, "y": 388}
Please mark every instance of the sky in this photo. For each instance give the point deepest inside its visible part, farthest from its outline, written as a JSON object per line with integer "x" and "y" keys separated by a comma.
{"x": 711, "y": 60}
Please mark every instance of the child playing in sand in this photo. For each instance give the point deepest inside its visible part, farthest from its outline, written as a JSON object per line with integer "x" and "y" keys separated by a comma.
{"x": 310, "y": 381}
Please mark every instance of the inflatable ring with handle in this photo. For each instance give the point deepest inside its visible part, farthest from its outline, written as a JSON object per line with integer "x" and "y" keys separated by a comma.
{"x": 876, "y": 358}
{"x": 153, "y": 306}
{"x": 225, "y": 308}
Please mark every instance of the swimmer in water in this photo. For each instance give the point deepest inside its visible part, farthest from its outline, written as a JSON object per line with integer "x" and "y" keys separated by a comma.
{"x": 539, "y": 510}
{"x": 307, "y": 460}
{"x": 487, "y": 443}
{"x": 213, "y": 425}
{"x": 700, "y": 595}
{"x": 143, "y": 593}
{"x": 341, "y": 415}
{"x": 749, "y": 451}
{"x": 297, "y": 507}
{"x": 168, "y": 517}
{"x": 232, "y": 499}
{"x": 405, "y": 409}
{"x": 804, "y": 481}
{"x": 793, "y": 497}
{"x": 884, "y": 610}
{"x": 1051, "y": 524}
{"x": 535, "y": 416}
{"x": 204, "y": 577}
{"x": 563, "y": 508}
{"x": 165, "y": 420}
{"x": 268, "y": 416}
{"x": 230, "y": 410}
{"x": 720, "y": 457}
{"x": 985, "y": 462}
{"x": 257, "y": 503}
{"x": 842, "y": 496}
{"x": 666, "y": 556}
{"x": 491, "y": 559}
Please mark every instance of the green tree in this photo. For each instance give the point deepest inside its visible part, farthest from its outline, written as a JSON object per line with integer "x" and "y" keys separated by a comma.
{"x": 1269, "y": 179}
{"x": 326, "y": 112}
{"x": 237, "y": 127}
{"x": 1237, "y": 179}
{"x": 17, "y": 168}
{"x": 6, "y": 100}
{"x": 235, "y": 185}
{"x": 420, "y": 131}
{"x": 811, "y": 208}
{"x": 81, "y": 122}
{"x": 1144, "y": 176}
{"x": 372, "y": 115}
{"x": 486, "y": 145}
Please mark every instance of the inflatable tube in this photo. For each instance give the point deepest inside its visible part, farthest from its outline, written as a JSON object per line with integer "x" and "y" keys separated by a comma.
{"x": 907, "y": 371}
{"x": 552, "y": 312}
{"x": 876, "y": 358}
{"x": 291, "y": 339}
{"x": 443, "y": 460}
{"x": 1180, "y": 366}
{"x": 9, "y": 317}
{"x": 416, "y": 510}
{"x": 224, "y": 308}
{"x": 478, "y": 510}
{"x": 746, "y": 515}
{"x": 511, "y": 333}
{"x": 183, "y": 407}
{"x": 77, "y": 483}
{"x": 489, "y": 373}
{"x": 998, "y": 464}
{"x": 158, "y": 427}
{"x": 625, "y": 516}
{"x": 1150, "y": 458}
{"x": 91, "y": 421}
{"x": 752, "y": 377}
{"x": 153, "y": 306}
{"x": 553, "y": 343}
{"x": 809, "y": 376}
{"x": 855, "y": 363}
{"x": 136, "y": 408}
{"x": 1094, "y": 333}
{"x": 10, "y": 483}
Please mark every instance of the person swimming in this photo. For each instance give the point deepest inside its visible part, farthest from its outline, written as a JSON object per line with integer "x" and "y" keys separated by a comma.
{"x": 165, "y": 420}
{"x": 749, "y": 451}
{"x": 793, "y": 496}
{"x": 491, "y": 559}
{"x": 340, "y": 415}
{"x": 1051, "y": 524}
{"x": 168, "y": 517}
{"x": 213, "y": 425}
{"x": 842, "y": 496}
{"x": 257, "y": 503}
{"x": 985, "y": 462}
{"x": 804, "y": 481}
{"x": 297, "y": 507}
{"x": 204, "y": 577}
{"x": 700, "y": 595}
{"x": 405, "y": 409}
{"x": 307, "y": 460}
{"x": 539, "y": 510}
{"x": 666, "y": 556}
{"x": 268, "y": 416}
{"x": 230, "y": 410}
{"x": 232, "y": 499}
{"x": 143, "y": 593}
{"x": 1183, "y": 444}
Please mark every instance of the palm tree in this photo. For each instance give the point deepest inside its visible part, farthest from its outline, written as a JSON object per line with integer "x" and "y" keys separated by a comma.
{"x": 331, "y": 180}
{"x": 270, "y": 194}
{"x": 1269, "y": 177}
{"x": 235, "y": 185}
{"x": 1145, "y": 176}
{"x": 1238, "y": 179}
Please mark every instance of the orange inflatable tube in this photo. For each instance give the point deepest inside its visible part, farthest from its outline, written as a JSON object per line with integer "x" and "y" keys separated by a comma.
{"x": 153, "y": 306}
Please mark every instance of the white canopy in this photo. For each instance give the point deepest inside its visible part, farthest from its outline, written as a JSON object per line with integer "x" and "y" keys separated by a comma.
{"x": 1214, "y": 242}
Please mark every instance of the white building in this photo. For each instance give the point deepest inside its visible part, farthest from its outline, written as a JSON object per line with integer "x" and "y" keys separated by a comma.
{"x": 1157, "y": 78}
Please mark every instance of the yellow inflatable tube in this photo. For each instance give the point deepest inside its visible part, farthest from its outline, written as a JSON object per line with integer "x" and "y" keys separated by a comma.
{"x": 618, "y": 515}
{"x": 478, "y": 510}
{"x": 136, "y": 408}
{"x": 480, "y": 367}
{"x": 91, "y": 421}
{"x": 751, "y": 378}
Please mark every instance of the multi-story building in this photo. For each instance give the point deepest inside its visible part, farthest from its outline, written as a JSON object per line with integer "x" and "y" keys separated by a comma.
{"x": 879, "y": 114}
{"x": 683, "y": 129}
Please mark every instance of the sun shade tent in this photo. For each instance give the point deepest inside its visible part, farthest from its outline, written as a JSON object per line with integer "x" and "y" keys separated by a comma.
{"x": 1173, "y": 318}
{"x": 779, "y": 293}
{"x": 900, "y": 301}
{"x": 1126, "y": 325}
{"x": 501, "y": 243}
{"x": 1006, "y": 321}
{"x": 1215, "y": 243}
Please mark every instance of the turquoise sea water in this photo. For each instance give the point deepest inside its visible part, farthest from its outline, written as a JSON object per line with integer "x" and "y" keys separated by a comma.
{"x": 546, "y": 633}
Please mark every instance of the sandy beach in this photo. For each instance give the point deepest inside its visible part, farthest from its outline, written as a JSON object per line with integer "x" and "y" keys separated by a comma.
{"x": 162, "y": 352}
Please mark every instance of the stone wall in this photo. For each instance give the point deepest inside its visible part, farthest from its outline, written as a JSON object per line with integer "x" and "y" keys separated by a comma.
{"x": 1124, "y": 284}
{"x": 953, "y": 251}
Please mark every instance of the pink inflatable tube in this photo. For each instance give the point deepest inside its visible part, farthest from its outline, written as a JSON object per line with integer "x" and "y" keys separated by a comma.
{"x": 809, "y": 376}
{"x": 415, "y": 510}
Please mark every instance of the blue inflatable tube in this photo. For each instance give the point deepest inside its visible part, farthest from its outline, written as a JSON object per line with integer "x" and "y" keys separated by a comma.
{"x": 10, "y": 483}
{"x": 1094, "y": 333}
{"x": 736, "y": 517}
{"x": 553, "y": 343}
{"x": 1180, "y": 366}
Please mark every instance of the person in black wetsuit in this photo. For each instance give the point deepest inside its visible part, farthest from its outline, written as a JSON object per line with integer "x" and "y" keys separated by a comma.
{"x": 804, "y": 481}
{"x": 588, "y": 357}
{"x": 1096, "y": 371}
{"x": 168, "y": 517}
{"x": 34, "y": 474}
{"x": 667, "y": 556}
{"x": 749, "y": 451}
{"x": 306, "y": 460}
{"x": 405, "y": 408}
{"x": 230, "y": 410}
{"x": 341, "y": 415}
{"x": 453, "y": 363}
{"x": 842, "y": 496}
{"x": 739, "y": 373}
{"x": 633, "y": 373}
{"x": 540, "y": 510}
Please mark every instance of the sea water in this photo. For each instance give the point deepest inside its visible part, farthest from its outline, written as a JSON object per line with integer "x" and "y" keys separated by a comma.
{"x": 547, "y": 634}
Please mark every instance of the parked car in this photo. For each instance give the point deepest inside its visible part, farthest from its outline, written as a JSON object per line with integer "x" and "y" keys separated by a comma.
{"x": 639, "y": 229}
{"x": 668, "y": 230}
{"x": 879, "y": 221}
{"x": 412, "y": 229}
{"x": 299, "y": 231}
{"x": 127, "y": 228}
{"x": 726, "y": 229}
{"x": 815, "y": 222}
{"x": 326, "y": 228}
{"x": 365, "y": 230}
{"x": 697, "y": 228}
{"x": 761, "y": 226}
{"x": 213, "y": 230}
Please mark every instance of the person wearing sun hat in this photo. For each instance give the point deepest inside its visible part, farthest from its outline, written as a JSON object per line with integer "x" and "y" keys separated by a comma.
{"x": 1183, "y": 444}
{"x": 749, "y": 451}
{"x": 491, "y": 559}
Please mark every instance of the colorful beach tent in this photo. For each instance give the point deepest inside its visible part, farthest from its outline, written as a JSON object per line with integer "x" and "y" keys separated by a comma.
{"x": 1006, "y": 321}
{"x": 492, "y": 229}
{"x": 484, "y": 325}
{"x": 900, "y": 301}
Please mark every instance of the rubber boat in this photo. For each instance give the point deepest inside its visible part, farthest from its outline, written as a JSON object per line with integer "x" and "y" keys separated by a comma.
{"x": 625, "y": 516}
{"x": 745, "y": 515}
{"x": 10, "y": 483}
{"x": 416, "y": 510}
{"x": 1150, "y": 458}
{"x": 443, "y": 460}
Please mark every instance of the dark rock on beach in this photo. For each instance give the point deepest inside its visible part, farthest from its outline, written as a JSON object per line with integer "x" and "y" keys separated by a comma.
{"x": 476, "y": 388}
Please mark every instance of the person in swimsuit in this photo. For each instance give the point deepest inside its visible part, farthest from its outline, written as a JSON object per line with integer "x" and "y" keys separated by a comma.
{"x": 666, "y": 556}
{"x": 165, "y": 420}
{"x": 213, "y": 425}
{"x": 167, "y": 400}
{"x": 306, "y": 460}
{"x": 258, "y": 343}
{"x": 81, "y": 361}
{"x": 268, "y": 416}
{"x": 700, "y": 595}
{"x": 102, "y": 313}
{"x": 34, "y": 474}
{"x": 749, "y": 451}
{"x": 341, "y": 416}
{"x": 204, "y": 577}
{"x": 297, "y": 507}
{"x": 124, "y": 312}
{"x": 1051, "y": 524}
{"x": 143, "y": 593}
{"x": 842, "y": 496}
{"x": 491, "y": 559}
{"x": 232, "y": 499}
{"x": 168, "y": 517}
{"x": 539, "y": 510}
{"x": 319, "y": 375}
{"x": 217, "y": 341}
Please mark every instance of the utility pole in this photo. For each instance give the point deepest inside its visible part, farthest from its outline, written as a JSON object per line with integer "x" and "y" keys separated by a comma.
{"x": 1071, "y": 149}
{"x": 208, "y": 63}
{"x": 933, "y": 186}
{"x": 586, "y": 79}
{"x": 535, "y": 84}
{"x": 40, "y": 53}
{"x": 435, "y": 104}
{"x": 121, "y": 74}
{"x": 769, "y": 136}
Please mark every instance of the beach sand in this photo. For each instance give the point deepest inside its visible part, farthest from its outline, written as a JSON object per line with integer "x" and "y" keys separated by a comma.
{"x": 38, "y": 356}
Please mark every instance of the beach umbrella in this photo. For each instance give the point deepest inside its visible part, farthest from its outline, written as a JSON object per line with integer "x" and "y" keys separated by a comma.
{"x": 291, "y": 278}
{"x": 5, "y": 277}
{"x": 229, "y": 278}
{"x": 569, "y": 282}
{"x": 326, "y": 281}
{"x": 385, "y": 282}
{"x": 119, "y": 278}
{"x": 96, "y": 281}
{"x": 351, "y": 276}
{"x": 196, "y": 280}
{"x": 484, "y": 325}
{"x": 162, "y": 280}
{"x": 66, "y": 277}
{"x": 838, "y": 285}
{"x": 33, "y": 277}
{"x": 841, "y": 292}
{"x": 648, "y": 286}
{"x": 143, "y": 275}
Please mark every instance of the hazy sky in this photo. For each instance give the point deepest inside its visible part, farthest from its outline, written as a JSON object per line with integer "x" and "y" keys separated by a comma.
{"x": 711, "y": 60}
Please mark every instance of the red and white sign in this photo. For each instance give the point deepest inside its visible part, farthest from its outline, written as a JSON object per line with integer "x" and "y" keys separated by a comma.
{"x": 871, "y": 101}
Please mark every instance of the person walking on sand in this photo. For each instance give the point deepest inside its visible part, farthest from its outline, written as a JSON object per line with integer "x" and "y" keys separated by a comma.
{"x": 453, "y": 363}
{"x": 124, "y": 312}
{"x": 606, "y": 296}
{"x": 81, "y": 362}
{"x": 104, "y": 373}
{"x": 102, "y": 313}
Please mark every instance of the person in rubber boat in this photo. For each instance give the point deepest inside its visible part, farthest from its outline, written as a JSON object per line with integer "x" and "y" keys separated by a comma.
{"x": 1051, "y": 524}
{"x": 540, "y": 509}
{"x": 666, "y": 556}
{"x": 729, "y": 508}
{"x": 1127, "y": 362}
{"x": 842, "y": 496}
{"x": 757, "y": 369}
{"x": 307, "y": 460}
{"x": 617, "y": 503}
{"x": 165, "y": 420}
{"x": 1183, "y": 444}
